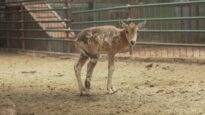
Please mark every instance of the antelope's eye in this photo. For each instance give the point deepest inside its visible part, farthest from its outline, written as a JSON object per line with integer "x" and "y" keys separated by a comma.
{"x": 126, "y": 31}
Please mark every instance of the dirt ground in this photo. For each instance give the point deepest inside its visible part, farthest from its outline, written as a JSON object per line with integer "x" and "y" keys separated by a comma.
{"x": 42, "y": 85}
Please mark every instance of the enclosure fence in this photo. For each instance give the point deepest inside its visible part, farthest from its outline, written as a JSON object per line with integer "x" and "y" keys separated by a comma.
{"x": 175, "y": 28}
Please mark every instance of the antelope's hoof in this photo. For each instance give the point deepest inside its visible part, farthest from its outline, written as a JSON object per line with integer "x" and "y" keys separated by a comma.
{"x": 84, "y": 93}
{"x": 111, "y": 91}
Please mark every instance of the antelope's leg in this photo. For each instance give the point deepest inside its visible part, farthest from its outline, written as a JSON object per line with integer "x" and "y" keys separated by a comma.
{"x": 77, "y": 69}
{"x": 90, "y": 67}
{"x": 111, "y": 69}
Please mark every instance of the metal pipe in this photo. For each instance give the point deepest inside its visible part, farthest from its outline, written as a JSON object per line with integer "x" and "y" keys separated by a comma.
{"x": 44, "y": 39}
{"x": 141, "y": 19}
{"x": 41, "y": 10}
{"x": 66, "y": 16}
{"x": 40, "y": 30}
{"x": 170, "y": 44}
{"x": 30, "y": 1}
{"x": 22, "y": 25}
{"x": 178, "y": 31}
{"x": 137, "y": 6}
{"x": 138, "y": 43}
{"x": 41, "y": 21}
{"x": 78, "y": 30}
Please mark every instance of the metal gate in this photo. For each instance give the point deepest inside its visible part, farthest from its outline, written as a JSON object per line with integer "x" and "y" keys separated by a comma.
{"x": 175, "y": 28}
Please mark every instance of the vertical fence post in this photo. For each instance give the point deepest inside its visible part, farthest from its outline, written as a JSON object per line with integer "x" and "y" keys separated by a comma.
{"x": 48, "y": 45}
{"x": 7, "y": 25}
{"x": 69, "y": 49}
{"x": 197, "y": 22}
{"x": 67, "y": 24}
{"x": 22, "y": 24}
{"x": 90, "y": 4}
{"x": 66, "y": 16}
{"x": 130, "y": 16}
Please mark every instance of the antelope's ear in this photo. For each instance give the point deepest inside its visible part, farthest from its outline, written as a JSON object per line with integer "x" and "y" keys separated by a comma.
{"x": 123, "y": 24}
{"x": 141, "y": 24}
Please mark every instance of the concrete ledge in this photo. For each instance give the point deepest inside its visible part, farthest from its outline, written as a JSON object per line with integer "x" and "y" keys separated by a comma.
{"x": 104, "y": 56}
{"x": 169, "y": 60}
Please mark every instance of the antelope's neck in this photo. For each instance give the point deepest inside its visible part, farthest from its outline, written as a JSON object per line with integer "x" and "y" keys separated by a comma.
{"x": 123, "y": 40}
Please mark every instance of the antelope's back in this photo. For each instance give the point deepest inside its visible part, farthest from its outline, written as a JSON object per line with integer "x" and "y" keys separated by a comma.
{"x": 103, "y": 31}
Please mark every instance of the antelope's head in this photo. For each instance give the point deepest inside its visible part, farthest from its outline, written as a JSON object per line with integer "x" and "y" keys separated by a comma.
{"x": 131, "y": 31}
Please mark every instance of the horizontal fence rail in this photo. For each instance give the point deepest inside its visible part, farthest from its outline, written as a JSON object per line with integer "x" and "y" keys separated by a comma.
{"x": 42, "y": 21}
{"x": 30, "y": 1}
{"x": 135, "y": 6}
{"x": 44, "y": 39}
{"x": 40, "y": 30}
{"x": 141, "y": 19}
{"x": 67, "y": 30}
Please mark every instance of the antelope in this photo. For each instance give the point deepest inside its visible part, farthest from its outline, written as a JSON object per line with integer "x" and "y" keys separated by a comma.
{"x": 93, "y": 41}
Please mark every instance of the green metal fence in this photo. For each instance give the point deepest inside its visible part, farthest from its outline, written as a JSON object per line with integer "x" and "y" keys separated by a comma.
{"x": 175, "y": 28}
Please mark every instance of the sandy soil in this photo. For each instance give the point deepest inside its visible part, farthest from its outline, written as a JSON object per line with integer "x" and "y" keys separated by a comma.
{"x": 47, "y": 86}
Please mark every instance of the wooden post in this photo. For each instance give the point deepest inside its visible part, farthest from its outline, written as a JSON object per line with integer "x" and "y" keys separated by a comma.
{"x": 69, "y": 49}
{"x": 22, "y": 25}
{"x": 7, "y": 31}
{"x": 66, "y": 17}
{"x": 90, "y": 7}
{"x": 197, "y": 23}
{"x": 49, "y": 45}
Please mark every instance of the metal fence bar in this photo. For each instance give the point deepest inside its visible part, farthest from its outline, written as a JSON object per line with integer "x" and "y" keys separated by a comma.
{"x": 178, "y": 31}
{"x": 67, "y": 22}
{"x": 78, "y": 30}
{"x": 41, "y": 21}
{"x": 50, "y": 21}
{"x": 27, "y": 1}
{"x": 44, "y": 39}
{"x": 46, "y": 10}
{"x": 137, "y": 6}
{"x": 170, "y": 44}
{"x": 22, "y": 25}
{"x": 138, "y": 43}
{"x": 40, "y": 30}
{"x": 141, "y": 19}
